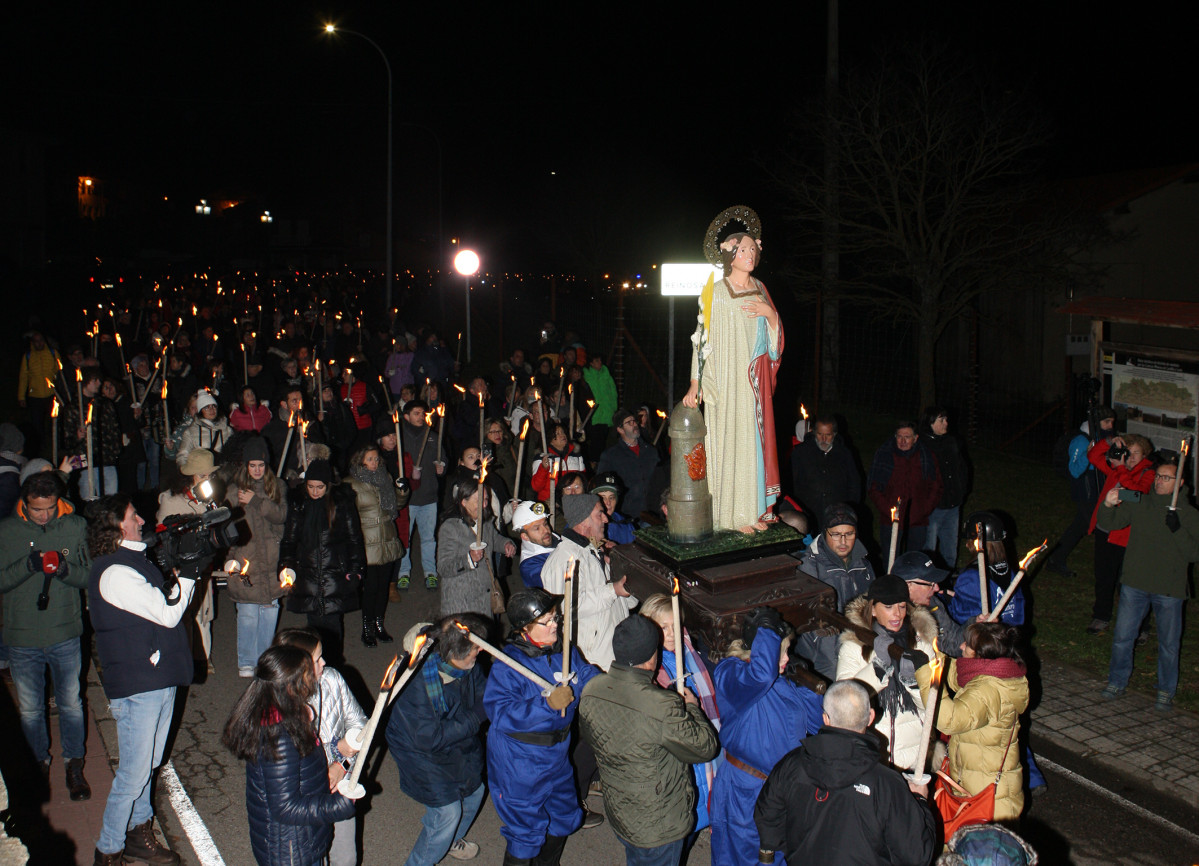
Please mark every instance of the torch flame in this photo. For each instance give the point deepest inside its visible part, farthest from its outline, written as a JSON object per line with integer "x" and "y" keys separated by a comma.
{"x": 460, "y": 389}
{"x": 287, "y": 579}
{"x": 661, "y": 414}
{"x": 304, "y": 429}
{"x": 118, "y": 336}
{"x": 49, "y": 383}
{"x": 803, "y": 411}
{"x": 483, "y": 470}
{"x": 440, "y": 410}
{"x": 389, "y": 676}
{"x": 590, "y": 404}
{"x": 937, "y": 663}
{"x": 429, "y": 418}
{"x": 54, "y": 407}
{"x": 78, "y": 375}
{"x": 164, "y": 389}
{"x": 245, "y": 568}
{"x": 417, "y": 646}
{"x": 291, "y": 422}
{"x": 894, "y": 514}
{"x": 524, "y": 428}
{"x": 674, "y": 585}
{"x": 89, "y": 413}
{"x": 480, "y": 400}
{"x": 1032, "y": 553}
{"x": 458, "y": 625}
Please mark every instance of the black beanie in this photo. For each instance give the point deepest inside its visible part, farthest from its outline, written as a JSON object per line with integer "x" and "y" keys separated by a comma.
{"x": 888, "y": 589}
{"x": 635, "y": 641}
{"x": 320, "y": 470}
{"x": 255, "y": 449}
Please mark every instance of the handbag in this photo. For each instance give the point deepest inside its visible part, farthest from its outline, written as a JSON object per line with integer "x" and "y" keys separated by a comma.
{"x": 959, "y": 808}
{"x": 498, "y": 605}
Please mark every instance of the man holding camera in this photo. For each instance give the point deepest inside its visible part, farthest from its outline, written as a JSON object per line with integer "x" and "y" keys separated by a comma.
{"x": 44, "y": 565}
{"x": 141, "y": 639}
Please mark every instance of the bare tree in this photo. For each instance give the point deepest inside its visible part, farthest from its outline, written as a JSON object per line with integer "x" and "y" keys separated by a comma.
{"x": 938, "y": 197}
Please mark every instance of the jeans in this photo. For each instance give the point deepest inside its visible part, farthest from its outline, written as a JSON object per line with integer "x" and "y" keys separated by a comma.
{"x": 255, "y": 631}
{"x": 424, "y": 519}
{"x": 942, "y": 534}
{"x": 28, "y": 666}
{"x": 143, "y": 721}
{"x": 147, "y": 473}
{"x": 663, "y": 855}
{"x": 441, "y": 826}
{"x": 1134, "y": 604}
{"x": 106, "y": 480}
{"x": 344, "y": 850}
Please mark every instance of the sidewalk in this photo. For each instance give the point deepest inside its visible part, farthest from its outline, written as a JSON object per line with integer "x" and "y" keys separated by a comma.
{"x": 1125, "y": 734}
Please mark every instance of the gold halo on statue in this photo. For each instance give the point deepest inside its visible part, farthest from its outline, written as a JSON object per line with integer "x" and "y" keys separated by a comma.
{"x": 738, "y": 213}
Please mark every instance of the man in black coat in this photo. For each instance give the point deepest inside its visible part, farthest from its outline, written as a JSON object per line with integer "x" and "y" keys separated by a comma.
{"x": 823, "y": 470}
{"x": 832, "y": 801}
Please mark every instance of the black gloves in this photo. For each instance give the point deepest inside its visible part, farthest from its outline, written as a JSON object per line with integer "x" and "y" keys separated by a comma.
{"x": 763, "y": 617}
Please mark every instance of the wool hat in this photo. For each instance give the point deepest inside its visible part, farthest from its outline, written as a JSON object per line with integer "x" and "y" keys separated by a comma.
{"x": 199, "y": 461}
{"x": 526, "y": 513}
{"x": 37, "y": 464}
{"x": 204, "y": 399}
{"x": 577, "y": 507}
{"x": 319, "y": 470}
{"x": 888, "y": 589}
{"x": 635, "y": 640}
{"x": 916, "y": 565}
{"x": 11, "y": 438}
{"x": 256, "y": 449}
{"x": 838, "y": 514}
{"x": 620, "y": 416}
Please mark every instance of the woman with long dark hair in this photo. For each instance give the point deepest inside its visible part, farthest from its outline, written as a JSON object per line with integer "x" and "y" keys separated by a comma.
{"x": 982, "y": 718}
{"x": 288, "y": 802}
{"x": 464, "y": 575}
{"x": 322, "y": 552}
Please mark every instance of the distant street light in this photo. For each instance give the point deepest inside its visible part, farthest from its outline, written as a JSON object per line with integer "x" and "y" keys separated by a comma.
{"x": 467, "y": 264}
{"x": 390, "y": 275}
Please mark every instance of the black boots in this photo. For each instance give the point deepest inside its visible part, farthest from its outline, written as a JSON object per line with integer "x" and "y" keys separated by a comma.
{"x": 550, "y": 853}
{"x": 117, "y": 859}
{"x": 380, "y": 632}
{"x": 368, "y": 634}
{"x": 141, "y": 844}
{"x": 509, "y": 860}
{"x": 76, "y": 784}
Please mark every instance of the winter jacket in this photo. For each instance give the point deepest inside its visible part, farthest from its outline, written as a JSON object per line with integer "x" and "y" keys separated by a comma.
{"x": 903, "y": 727}
{"x": 65, "y": 533}
{"x": 911, "y": 475}
{"x": 203, "y": 434}
{"x": 599, "y": 609}
{"x": 265, "y": 519}
{"x": 328, "y": 565}
{"x": 11, "y": 465}
{"x": 634, "y": 470}
{"x": 250, "y": 420}
{"x": 1139, "y": 478}
{"x": 290, "y": 809}
{"x": 1157, "y": 559}
{"x": 951, "y": 463}
{"x": 414, "y": 439}
{"x": 106, "y": 430}
{"x": 645, "y": 739}
{"x": 37, "y": 365}
{"x": 337, "y": 711}
{"x": 850, "y": 579}
{"x": 439, "y": 752}
{"x": 824, "y": 478}
{"x": 980, "y": 719}
{"x": 378, "y": 531}
{"x": 831, "y": 801}
{"x": 570, "y": 461}
{"x": 603, "y": 389}
{"x": 1084, "y": 479}
{"x": 465, "y": 585}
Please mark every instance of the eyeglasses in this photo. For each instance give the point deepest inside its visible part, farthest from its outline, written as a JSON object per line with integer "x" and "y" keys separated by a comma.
{"x": 843, "y": 536}
{"x": 552, "y": 619}
{"x": 1161, "y": 477}
{"x": 920, "y": 583}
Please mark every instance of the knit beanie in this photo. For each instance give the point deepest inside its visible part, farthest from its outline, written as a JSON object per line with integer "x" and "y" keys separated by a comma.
{"x": 577, "y": 507}
{"x": 635, "y": 640}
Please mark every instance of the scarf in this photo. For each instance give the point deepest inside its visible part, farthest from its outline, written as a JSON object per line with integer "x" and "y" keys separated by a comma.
{"x": 436, "y": 671}
{"x": 895, "y": 696}
{"x": 381, "y": 480}
{"x": 1002, "y": 668}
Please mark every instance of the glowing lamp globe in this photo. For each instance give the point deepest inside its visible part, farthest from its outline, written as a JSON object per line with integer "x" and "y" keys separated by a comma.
{"x": 466, "y": 263}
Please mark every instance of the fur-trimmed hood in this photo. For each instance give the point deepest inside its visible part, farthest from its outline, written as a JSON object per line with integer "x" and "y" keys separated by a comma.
{"x": 858, "y": 612}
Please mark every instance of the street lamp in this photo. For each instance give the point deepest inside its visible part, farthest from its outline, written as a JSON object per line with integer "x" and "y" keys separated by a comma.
{"x": 467, "y": 264}
{"x": 387, "y": 278}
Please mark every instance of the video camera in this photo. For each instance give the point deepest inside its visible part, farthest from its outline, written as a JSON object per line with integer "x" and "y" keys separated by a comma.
{"x": 185, "y": 544}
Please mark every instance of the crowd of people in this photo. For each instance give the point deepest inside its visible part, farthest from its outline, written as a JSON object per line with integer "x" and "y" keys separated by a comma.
{"x": 361, "y": 465}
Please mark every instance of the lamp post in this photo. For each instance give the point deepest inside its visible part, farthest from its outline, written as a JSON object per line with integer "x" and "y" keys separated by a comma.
{"x": 390, "y": 274}
{"x": 467, "y": 264}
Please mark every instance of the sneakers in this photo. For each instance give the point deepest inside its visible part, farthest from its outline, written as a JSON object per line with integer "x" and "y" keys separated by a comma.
{"x": 402, "y": 582}
{"x": 1164, "y": 702}
{"x": 1142, "y": 639}
{"x": 1097, "y": 626}
{"x": 463, "y": 850}
{"x": 245, "y": 673}
{"x": 431, "y": 582}
{"x": 595, "y": 789}
{"x": 1111, "y": 692}
{"x": 591, "y": 819}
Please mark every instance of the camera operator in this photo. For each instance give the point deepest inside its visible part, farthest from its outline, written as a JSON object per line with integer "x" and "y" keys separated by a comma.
{"x": 44, "y": 565}
{"x": 141, "y": 640}
{"x": 1121, "y": 461}
{"x": 1084, "y": 483}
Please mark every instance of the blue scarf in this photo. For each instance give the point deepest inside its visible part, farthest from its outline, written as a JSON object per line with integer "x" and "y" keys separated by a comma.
{"x": 432, "y": 670}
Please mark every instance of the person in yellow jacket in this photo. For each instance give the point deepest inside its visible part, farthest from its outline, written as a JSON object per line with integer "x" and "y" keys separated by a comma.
{"x": 983, "y": 718}
{"x": 38, "y": 367}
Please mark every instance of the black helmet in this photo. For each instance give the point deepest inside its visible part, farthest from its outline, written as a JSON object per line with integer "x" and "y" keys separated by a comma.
{"x": 529, "y": 604}
{"x": 993, "y": 529}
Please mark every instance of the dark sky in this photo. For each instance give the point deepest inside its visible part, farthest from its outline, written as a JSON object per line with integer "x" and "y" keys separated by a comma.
{"x": 631, "y": 127}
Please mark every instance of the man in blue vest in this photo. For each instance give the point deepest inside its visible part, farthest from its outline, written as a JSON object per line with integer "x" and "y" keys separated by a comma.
{"x": 141, "y": 639}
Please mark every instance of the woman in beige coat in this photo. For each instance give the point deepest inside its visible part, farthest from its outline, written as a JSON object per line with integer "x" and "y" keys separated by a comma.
{"x": 983, "y": 718}
{"x": 375, "y": 493}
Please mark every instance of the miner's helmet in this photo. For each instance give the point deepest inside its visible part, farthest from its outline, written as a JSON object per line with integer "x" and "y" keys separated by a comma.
{"x": 992, "y": 526}
{"x": 530, "y": 604}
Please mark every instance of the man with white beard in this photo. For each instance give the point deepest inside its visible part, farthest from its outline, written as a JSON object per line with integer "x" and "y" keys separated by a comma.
{"x": 823, "y": 470}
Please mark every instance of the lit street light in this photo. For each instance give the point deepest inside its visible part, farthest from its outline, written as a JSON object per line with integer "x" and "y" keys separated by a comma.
{"x": 387, "y": 278}
{"x": 467, "y": 264}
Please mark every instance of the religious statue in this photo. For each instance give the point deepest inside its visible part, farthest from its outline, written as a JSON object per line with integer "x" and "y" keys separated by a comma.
{"x": 738, "y": 346}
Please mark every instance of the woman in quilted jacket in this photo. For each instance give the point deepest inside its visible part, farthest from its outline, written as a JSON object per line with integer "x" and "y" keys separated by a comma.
{"x": 273, "y": 729}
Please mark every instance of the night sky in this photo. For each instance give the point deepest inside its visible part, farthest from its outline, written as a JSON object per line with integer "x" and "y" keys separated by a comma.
{"x": 569, "y": 137}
